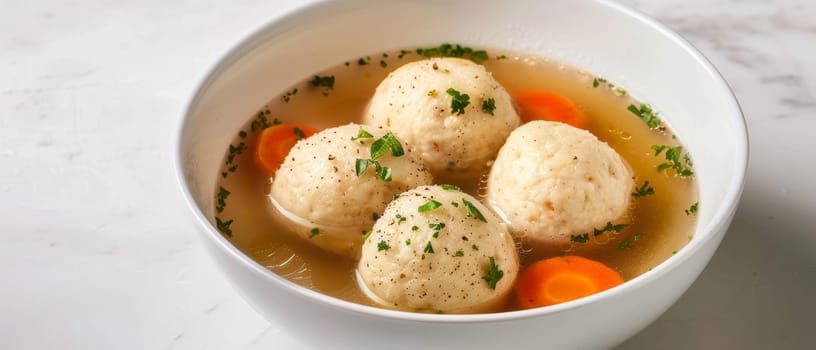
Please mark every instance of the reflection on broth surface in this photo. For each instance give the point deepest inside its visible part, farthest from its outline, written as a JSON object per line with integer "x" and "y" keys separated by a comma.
{"x": 659, "y": 222}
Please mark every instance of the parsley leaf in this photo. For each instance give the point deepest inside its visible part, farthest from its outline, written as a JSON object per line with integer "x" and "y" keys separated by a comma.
{"x": 383, "y": 245}
{"x": 579, "y": 238}
{"x": 681, "y": 166}
{"x": 382, "y": 145}
{"x": 450, "y": 50}
{"x": 299, "y": 133}
{"x": 447, "y": 187}
{"x": 314, "y": 232}
{"x": 436, "y": 227}
{"x": 494, "y": 275}
{"x": 489, "y": 105}
{"x": 429, "y": 205}
{"x": 693, "y": 208}
{"x": 628, "y": 243}
{"x": 223, "y": 226}
{"x": 458, "y": 101}
{"x": 288, "y": 95}
{"x": 379, "y": 148}
{"x": 610, "y": 227}
{"x": 222, "y": 199}
{"x": 658, "y": 149}
{"x": 644, "y": 190}
{"x": 645, "y": 113}
{"x": 383, "y": 172}
{"x": 327, "y": 81}
{"x": 459, "y": 253}
{"x": 362, "y": 134}
{"x": 428, "y": 248}
{"x": 360, "y": 165}
{"x": 262, "y": 122}
{"x": 472, "y": 211}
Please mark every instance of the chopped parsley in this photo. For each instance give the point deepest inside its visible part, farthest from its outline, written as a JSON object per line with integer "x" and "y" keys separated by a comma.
{"x": 375, "y": 216}
{"x": 428, "y": 248}
{"x": 436, "y": 227}
{"x": 658, "y": 149}
{"x": 693, "y": 208}
{"x": 382, "y": 145}
{"x": 472, "y": 211}
{"x": 494, "y": 275}
{"x": 501, "y": 57}
{"x": 223, "y": 226}
{"x": 450, "y": 50}
{"x": 383, "y": 246}
{"x": 458, "y": 101}
{"x": 628, "y": 243}
{"x": 299, "y": 133}
{"x": 360, "y": 165}
{"x": 598, "y": 81}
{"x": 400, "y": 219}
{"x": 474, "y": 247}
{"x": 222, "y": 199}
{"x": 314, "y": 232}
{"x": 235, "y": 151}
{"x": 645, "y": 113}
{"x": 681, "y": 165}
{"x": 262, "y": 122}
{"x": 403, "y": 53}
{"x": 447, "y": 187}
{"x": 489, "y": 105}
{"x": 288, "y": 96}
{"x": 610, "y": 227}
{"x": 644, "y": 190}
{"x": 366, "y": 233}
{"x": 455, "y": 204}
{"x": 383, "y": 172}
{"x": 459, "y": 253}
{"x": 408, "y": 241}
{"x": 414, "y": 228}
{"x": 580, "y": 238}
{"x": 429, "y": 205}
{"x": 362, "y": 134}
{"x": 327, "y": 82}
{"x": 432, "y": 92}
{"x": 379, "y": 148}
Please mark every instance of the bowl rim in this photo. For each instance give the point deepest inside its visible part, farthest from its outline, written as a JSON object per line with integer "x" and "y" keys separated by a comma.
{"x": 720, "y": 218}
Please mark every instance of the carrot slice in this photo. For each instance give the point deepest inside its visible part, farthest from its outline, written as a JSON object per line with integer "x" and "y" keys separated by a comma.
{"x": 561, "y": 279}
{"x": 274, "y": 143}
{"x": 544, "y": 105}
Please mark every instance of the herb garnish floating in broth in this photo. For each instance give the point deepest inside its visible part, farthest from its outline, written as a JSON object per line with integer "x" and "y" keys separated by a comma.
{"x": 427, "y": 170}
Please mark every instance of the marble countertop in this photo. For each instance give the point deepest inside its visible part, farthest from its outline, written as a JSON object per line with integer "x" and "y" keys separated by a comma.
{"x": 98, "y": 251}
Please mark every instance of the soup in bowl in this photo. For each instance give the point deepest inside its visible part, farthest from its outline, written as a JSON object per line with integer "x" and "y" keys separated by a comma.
{"x": 437, "y": 184}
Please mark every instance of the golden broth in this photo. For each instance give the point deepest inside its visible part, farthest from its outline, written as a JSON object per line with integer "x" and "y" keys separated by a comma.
{"x": 660, "y": 224}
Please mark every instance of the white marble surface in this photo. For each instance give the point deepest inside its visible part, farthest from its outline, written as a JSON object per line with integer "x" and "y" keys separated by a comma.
{"x": 97, "y": 251}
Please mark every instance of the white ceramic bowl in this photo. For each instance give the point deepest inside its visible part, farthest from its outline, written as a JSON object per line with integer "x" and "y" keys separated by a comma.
{"x": 655, "y": 65}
